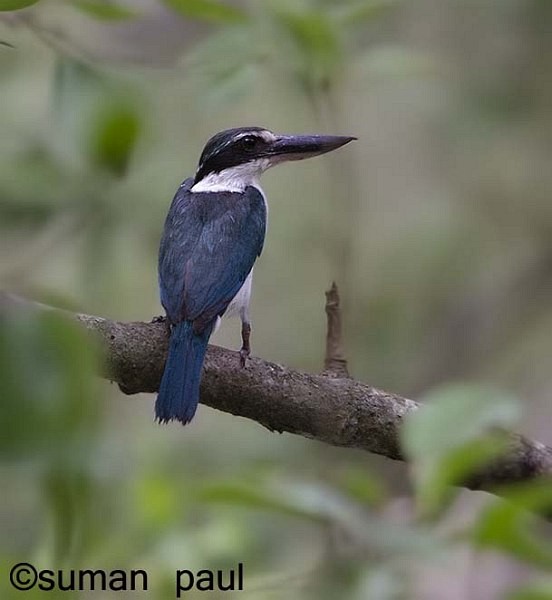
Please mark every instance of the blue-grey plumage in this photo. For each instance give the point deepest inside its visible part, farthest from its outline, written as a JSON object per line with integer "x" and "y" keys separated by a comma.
{"x": 213, "y": 234}
{"x": 207, "y": 251}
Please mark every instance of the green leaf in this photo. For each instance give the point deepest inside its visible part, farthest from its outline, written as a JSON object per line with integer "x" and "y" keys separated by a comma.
{"x": 46, "y": 385}
{"x": 114, "y": 135}
{"x": 511, "y": 525}
{"x": 6, "y": 5}
{"x": 104, "y": 10}
{"x": 207, "y": 10}
{"x": 451, "y": 436}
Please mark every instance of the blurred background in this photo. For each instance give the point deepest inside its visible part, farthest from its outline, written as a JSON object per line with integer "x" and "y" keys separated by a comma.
{"x": 436, "y": 225}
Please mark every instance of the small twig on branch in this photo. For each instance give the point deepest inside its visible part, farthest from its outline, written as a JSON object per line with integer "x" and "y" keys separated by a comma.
{"x": 335, "y": 364}
{"x": 342, "y": 412}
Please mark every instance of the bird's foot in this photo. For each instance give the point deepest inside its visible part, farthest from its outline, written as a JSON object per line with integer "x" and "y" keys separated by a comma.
{"x": 245, "y": 351}
{"x": 244, "y": 355}
{"x": 163, "y": 319}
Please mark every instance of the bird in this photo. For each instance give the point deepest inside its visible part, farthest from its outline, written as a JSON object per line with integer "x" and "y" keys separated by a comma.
{"x": 213, "y": 234}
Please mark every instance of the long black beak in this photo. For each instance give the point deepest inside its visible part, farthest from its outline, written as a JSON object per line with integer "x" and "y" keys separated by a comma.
{"x": 297, "y": 147}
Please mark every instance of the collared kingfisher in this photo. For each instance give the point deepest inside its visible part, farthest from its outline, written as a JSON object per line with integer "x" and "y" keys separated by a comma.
{"x": 213, "y": 234}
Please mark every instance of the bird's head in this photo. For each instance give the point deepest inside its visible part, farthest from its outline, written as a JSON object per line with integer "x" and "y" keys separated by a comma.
{"x": 235, "y": 158}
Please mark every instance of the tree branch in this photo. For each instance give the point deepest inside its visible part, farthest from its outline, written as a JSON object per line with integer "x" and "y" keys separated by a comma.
{"x": 338, "y": 411}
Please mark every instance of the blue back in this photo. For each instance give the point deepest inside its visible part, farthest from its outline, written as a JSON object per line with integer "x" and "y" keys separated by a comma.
{"x": 209, "y": 244}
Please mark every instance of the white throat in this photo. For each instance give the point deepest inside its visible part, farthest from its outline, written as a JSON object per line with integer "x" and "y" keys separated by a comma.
{"x": 234, "y": 179}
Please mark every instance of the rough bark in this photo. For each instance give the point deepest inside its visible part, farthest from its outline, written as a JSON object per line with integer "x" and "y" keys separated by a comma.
{"x": 335, "y": 410}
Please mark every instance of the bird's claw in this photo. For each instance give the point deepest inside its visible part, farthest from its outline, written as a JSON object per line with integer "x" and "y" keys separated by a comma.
{"x": 246, "y": 346}
{"x": 244, "y": 355}
{"x": 163, "y": 319}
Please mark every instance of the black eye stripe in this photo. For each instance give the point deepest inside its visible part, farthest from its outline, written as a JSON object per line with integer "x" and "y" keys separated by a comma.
{"x": 230, "y": 148}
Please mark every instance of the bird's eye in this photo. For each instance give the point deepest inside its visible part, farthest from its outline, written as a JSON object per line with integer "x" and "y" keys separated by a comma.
{"x": 249, "y": 142}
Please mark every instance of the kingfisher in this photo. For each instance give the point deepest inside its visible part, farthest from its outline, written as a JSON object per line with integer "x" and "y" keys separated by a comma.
{"x": 213, "y": 233}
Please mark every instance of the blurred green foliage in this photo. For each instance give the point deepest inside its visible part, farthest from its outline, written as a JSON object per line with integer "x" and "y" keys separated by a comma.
{"x": 114, "y": 136}
{"x": 208, "y": 10}
{"x": 104, "y": 9}
{"x": 451, "y": 438}
{"x": 436, "y": 226}
{"x": 6, "y": 5}
{"x": 536, "y": 591}
{"x": 509, "y": 525}
{"x": 48, "y": 397}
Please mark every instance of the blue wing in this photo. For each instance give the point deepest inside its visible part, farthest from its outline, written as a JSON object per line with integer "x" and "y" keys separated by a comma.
{"x": 208, "y": 248}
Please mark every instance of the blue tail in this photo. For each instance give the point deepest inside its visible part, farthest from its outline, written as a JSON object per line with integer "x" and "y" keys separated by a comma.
{"x": 179, "y": 390}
